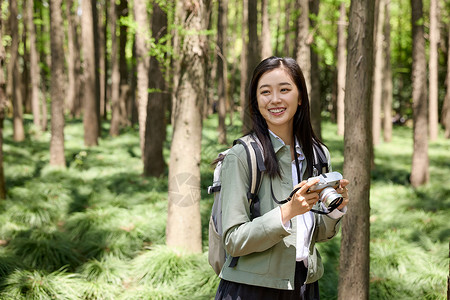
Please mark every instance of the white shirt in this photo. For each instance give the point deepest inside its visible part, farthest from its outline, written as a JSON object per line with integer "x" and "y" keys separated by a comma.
{"x": 305, "y": 222}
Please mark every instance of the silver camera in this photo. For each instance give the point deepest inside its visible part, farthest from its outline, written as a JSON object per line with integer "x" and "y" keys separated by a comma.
{"x": 326, "y": 187}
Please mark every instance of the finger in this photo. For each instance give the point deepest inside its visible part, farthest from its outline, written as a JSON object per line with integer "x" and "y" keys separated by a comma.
{"x": 307, "y": 185}
{"x": 344, "y": 182}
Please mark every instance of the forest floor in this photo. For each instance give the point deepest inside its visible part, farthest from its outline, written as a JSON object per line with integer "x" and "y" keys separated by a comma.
{"x": 96, "y": 230}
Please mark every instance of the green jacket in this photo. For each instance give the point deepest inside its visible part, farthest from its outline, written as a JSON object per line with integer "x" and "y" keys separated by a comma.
{"x": 265, "y": 248}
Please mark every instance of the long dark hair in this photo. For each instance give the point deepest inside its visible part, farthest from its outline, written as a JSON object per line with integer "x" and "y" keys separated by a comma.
{"x": 303, "y": 130}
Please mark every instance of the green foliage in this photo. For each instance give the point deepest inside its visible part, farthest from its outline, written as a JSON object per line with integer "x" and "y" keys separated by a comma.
{"x": 96, "y": 230}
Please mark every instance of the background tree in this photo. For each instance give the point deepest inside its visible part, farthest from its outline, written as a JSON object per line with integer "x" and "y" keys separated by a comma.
{"x": 14, "y": 87}
{"x": 116, "y": 114}
{"x": 245, "y": 117}
{"x": 355, "y": 261}
{"x": 387, "y": 76}
{"x": 222, "y": 80}
{"x": 419, "y": 168}
{"x": 433, "y": 65}
{"x": 57, "y": 84}
{"x": 158, "y": 99}
{"x": 2, "y": 106}
{"x": 266, "y": 43}
{"x": 184, "y": 170}
{"x": 34, "y": 67}
{"x": 91, "y": 112}
{"x": 341, "y": 67}
{"x": 314, "y": 94}
{"x": 303, "y": 50}
{"x": 445, "y": 118}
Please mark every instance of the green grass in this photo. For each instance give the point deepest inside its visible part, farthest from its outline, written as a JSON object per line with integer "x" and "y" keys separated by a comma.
{"x": 96, "y": 230}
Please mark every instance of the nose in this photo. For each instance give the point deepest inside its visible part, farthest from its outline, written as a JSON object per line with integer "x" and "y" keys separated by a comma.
{"x": 276, "y": 97}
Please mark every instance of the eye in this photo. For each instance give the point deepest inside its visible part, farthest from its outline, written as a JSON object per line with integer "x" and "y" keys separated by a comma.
{"x": 265, "y": 92}
{"x": 285, "y": 90}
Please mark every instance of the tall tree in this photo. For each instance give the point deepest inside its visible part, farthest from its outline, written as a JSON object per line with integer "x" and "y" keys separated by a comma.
{"x": 35, "y": 76}
{"x": 126, "y": 105}
{"x": 2, "y": 107}
{"x": 288, "y": 50}
{"x": 222, "y": 82}
{"x": 57, "y": 84}
{"x": 378, "y": 72}
{"x": 445, "y": 118}
{"x": 143, "y": 61}
{"x": 245, "y": 116}
{"x": 354, "y": 264}
{"x": 387, "y": 76}
{"x": 91, "y": 113}
{"x": 314, "y": 93}
{"x": 266, "y": 47}
{"x": 303, "y": 50}
{"x": 433, "y": 69}
{"x": 341, "y": 67}
{"x": 158, "y": 100}
{"x": 183, "y": 220}
{"x": 14, "y": 88}
{"x": 116, "y": 115}
{"x": 419, "y": 168}
{"x": 73, "y": 61}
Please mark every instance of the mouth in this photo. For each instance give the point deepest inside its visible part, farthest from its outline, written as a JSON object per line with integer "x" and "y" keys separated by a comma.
{"x": 277, "y": 111}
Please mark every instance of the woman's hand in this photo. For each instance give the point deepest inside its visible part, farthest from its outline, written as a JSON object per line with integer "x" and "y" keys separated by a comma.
{"x": 302, "y": 201}
{"x": 342, "y": 189}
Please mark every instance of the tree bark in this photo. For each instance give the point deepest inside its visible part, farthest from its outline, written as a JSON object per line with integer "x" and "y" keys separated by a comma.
{"x": 183, "y": 221}
{"x": 303, "y": 53}
{"x": 387, "y": 77}
{"x": 288, "y": 50}
{"x": 143, "y": 61}
{"x": 222, "y": 81}
{"x": 34, "y": 68}
{"x": 115, "y": 72}
{"x": 445, "y": 118}
{"x": 73, "y": 63}
{"x": 378, "y": 73}
{"x": 341, "y": 68}
{"x": 14, "y": 74}
{"x": 314, "y": 95}
{"x": 91, "y": 114}
{"x": 102, "y": 24}
{"x": 433, "y": 69}
{"x": 2, "y": 107}
{"x": 419, "y": 168}
{"x": 126, "y": 105}
{"x": 266, "y": 45}
{"x": 57, "y": 84}
{"x": 355, "y": 259}
{"x": 158, "y": 100}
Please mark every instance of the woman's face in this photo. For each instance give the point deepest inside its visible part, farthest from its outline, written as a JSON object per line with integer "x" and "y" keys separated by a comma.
{"x": 278, "y": 99}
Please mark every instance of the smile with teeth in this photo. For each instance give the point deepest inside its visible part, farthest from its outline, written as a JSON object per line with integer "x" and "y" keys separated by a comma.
{"x": 277, "y": 110}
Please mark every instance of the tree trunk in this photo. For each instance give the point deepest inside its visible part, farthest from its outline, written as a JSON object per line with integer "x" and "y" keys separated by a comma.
{"x": 341, "y": 68}
{"x": 303, "y": 42}
{"x": 34, "y": 68}
{"x": 222, "y": 82}
{"x": 266, "y": 45}
{"x": 126, "y": 105}
{"x": 433, "y": 69}
{"x": 101, "y": 49}
{"x": 288, "y": 50}
{"x": 387, "y": 77}
{"x": 143, "y": 61}
{"x": 73, "y": 63}
{"x": 355, "y": 259}
{"x": 445, "y": 118}
{"x": 43, "y": 57}
{"x": 115, "y": 72}
{"x": 57, "y": 84}
{"x": 245, "y": 116}
{"x": 314, "y": 95}
{"x": 183, "y": 220}
{"x": 419, "y": 168}
{"x": 378, "y": 72}
{"x": 158, "y": 99}
{"x": 2, "y": 107}
{"x": 155, "y": 127}
{"x": 13, "y": 73}
{"x": 91, "y": 115}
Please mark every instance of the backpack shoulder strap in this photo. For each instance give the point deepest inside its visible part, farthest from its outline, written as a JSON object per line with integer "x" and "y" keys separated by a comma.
{"x": 320, "y": 165}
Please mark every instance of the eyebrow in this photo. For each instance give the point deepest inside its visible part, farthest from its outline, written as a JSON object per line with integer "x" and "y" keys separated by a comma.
{"x": 280, "y": 84}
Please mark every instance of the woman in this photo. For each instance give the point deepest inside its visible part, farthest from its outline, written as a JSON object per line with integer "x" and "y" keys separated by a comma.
{"x": 277, "y": 254}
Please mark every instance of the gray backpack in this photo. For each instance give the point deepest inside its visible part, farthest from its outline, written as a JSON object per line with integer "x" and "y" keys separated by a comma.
{"x": 216, "y": 252}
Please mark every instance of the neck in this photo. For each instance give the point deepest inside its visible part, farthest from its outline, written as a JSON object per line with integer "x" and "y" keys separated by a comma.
{"x": 285, "y": 134}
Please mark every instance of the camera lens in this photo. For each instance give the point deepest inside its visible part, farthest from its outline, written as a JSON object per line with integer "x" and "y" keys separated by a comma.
{"x": 330, "y": 198}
